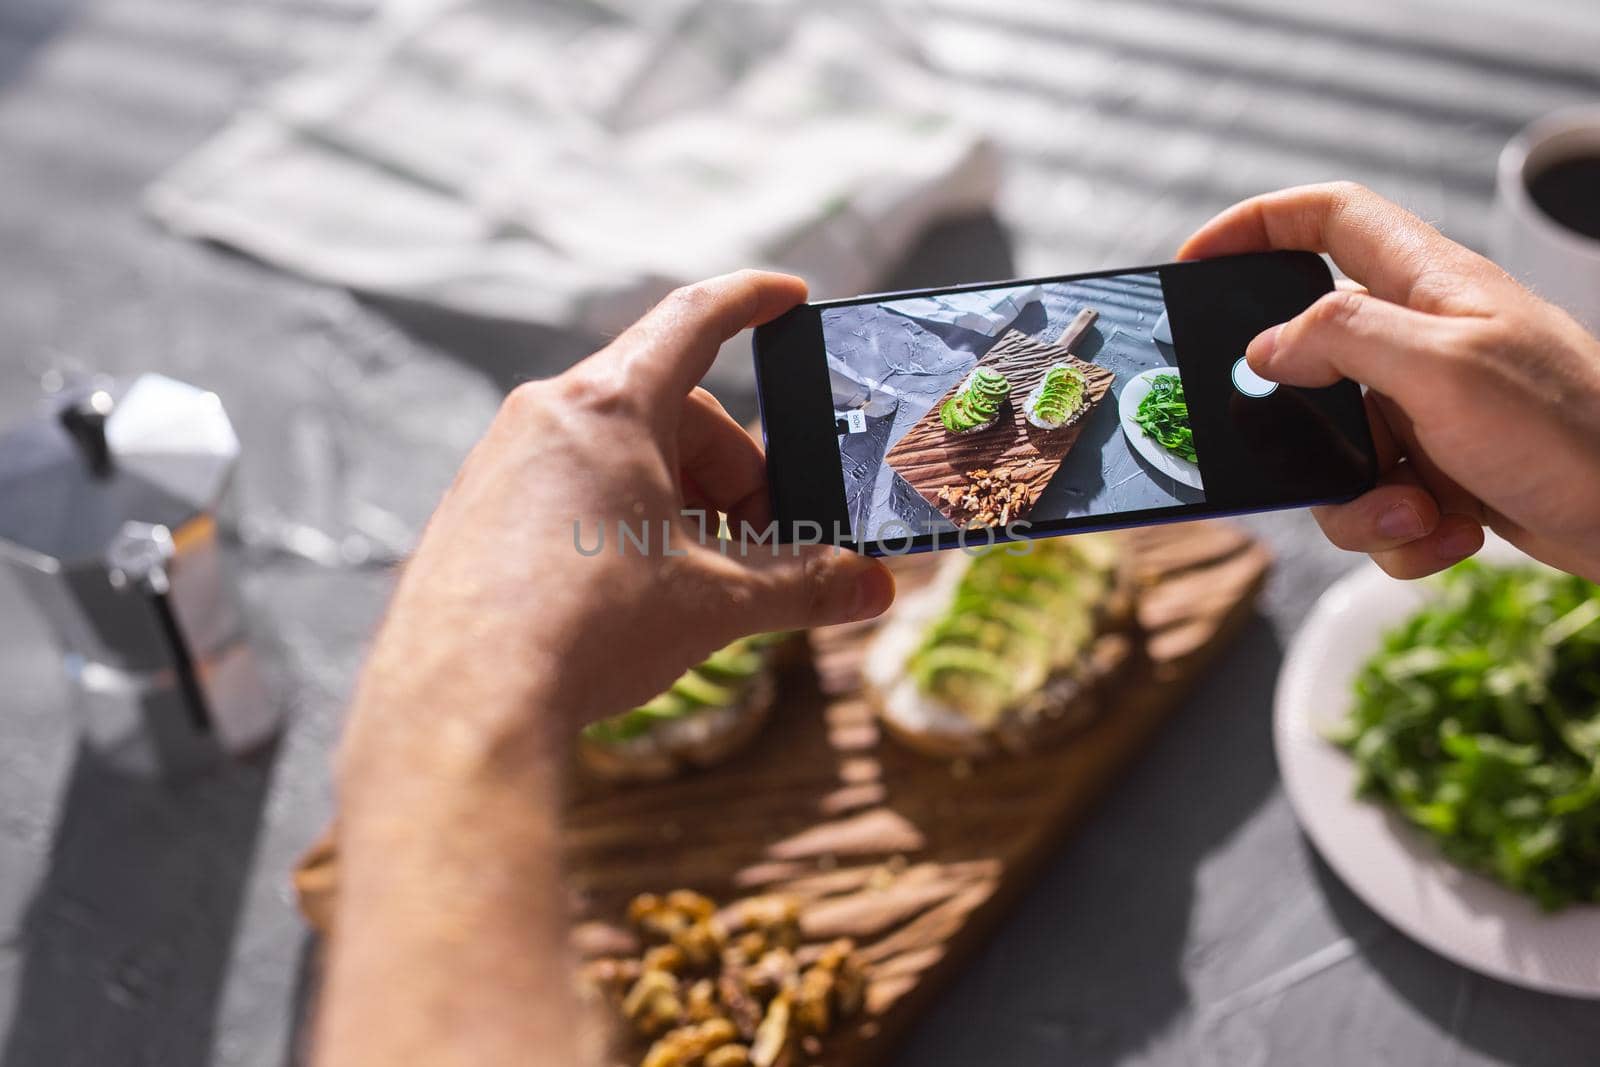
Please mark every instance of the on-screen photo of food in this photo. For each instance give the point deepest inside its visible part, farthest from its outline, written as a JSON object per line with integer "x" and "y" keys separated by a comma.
{"x": 1032, "y": 403}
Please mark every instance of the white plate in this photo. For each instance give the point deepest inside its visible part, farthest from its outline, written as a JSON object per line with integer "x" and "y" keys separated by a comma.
{"x": 1389, "y": 864}
{"x": 1172, "y": 466}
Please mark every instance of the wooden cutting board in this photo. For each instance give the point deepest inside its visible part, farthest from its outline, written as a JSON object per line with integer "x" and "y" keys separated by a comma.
{"x": 931, "y": 458}
{"x": 914, "y": 858}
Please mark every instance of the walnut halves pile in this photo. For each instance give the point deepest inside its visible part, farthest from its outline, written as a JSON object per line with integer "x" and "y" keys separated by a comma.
{"x": 730, "y": 991}
{"x": 989, "y": 498}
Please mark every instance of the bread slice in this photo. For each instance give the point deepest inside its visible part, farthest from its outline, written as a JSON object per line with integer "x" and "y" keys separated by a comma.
{"x": 699, "y": 738}
{"x": 1068, "y": 699}
{"x": 998, "y": 395}
{"x": 1030, "y": 406}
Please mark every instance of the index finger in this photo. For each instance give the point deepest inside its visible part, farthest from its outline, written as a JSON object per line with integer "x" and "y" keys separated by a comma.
{"x": 666, "y": 353}
{"x": 1375, "y": 241}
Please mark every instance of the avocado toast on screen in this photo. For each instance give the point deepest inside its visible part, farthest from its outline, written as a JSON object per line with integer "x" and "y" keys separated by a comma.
{"x": 1059, "y": 400}
{"x": 977, "y": 404}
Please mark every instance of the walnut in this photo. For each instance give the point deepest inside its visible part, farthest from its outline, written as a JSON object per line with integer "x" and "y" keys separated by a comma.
{"x": 684, "y": 919}
{"x": 611, "y": 978}
{"x": 989, "y": 498}
{"x": 775, "y": 972}
{"x": 742, "y": 1005}
{"x": 700, "y": 1003}
{"x": 728, "y": 1056}
{"x": 655, "y": 918}
{"x": 813, "y": 1011}
{"x": 652, "y": 1005}
{"x": 701, "y": 942}
{"x": 756, "y": 998}
{"x": 689, "y": 1044}
{"x": 748, "y": 947}
{"x": 692, "y": 904}
{"x": 822, "y": 991}
{"x": 772, "y": 1043}
{"x": 669, "y": 958}
{"x": 775, "y": 917}
{"x": 643, "y": 906}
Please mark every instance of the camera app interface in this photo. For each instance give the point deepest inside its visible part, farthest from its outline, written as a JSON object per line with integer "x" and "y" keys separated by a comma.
{"x": 1007, "y": 406}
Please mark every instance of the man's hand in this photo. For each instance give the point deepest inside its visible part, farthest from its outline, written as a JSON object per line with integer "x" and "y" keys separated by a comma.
{"x": 1484, "y": 400}
{"x": 503, "y": 639}
{"x": 500, "y": 592}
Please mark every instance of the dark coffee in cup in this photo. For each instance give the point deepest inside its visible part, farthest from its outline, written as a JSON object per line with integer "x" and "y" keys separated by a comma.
{"x": 1546, "y": 229}
{"x": 1568, "y": 190}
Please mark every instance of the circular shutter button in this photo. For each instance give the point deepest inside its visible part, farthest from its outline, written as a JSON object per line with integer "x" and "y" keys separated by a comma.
{"x": 1249, "y": 382}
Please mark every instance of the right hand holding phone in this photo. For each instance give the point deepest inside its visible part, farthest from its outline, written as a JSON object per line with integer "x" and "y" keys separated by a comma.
{"x": 1484, "y": 400}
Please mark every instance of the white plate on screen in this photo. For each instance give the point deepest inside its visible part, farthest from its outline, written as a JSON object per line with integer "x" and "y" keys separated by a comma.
{"x": 1172, "y": 466}
{"x": 1391, "y": 866}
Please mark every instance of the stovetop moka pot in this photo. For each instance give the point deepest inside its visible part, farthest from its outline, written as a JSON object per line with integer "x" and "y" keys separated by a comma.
{"x": 108, "y": 516}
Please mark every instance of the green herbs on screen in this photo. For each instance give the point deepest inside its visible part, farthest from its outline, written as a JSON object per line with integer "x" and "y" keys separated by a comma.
{"x": 1164, "y": 415}
{"x": 1479, "y": 721}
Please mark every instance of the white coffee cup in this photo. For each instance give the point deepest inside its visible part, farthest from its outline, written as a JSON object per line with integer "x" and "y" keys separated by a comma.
{"x": 1559, "y": 264}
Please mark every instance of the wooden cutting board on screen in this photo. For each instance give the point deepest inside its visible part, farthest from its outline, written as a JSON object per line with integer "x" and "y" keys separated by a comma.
{"x": 931, "y": 458}
{"x": 914, "y": 858}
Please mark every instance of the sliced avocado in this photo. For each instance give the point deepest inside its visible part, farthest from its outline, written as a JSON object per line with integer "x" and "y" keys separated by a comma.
{"x": 1022, "y": 621}
{"x": 1011, "y": 622}
{"x": 668, "y": 705}
{"x": 957, "y": 415}
{"x": 946, "y": 416}
{"x": 967, "y": 416}
{"x": 713, "y": 684}
{"x": 990, "y": 383}
{"x": 1061, "y": 394}
{"x": 931, "y": 664}
{"x": 701, "y": 691}
{"x": 733, "y": 664}
{"x": 977, "y": 403}
{"x": 975, "y": 681}
{"x": 640, "y": 720}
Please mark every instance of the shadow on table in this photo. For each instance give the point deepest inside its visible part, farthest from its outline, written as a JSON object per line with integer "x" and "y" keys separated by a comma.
{"x": 1502, "y": 1022}
{"x": 508, "y": 353}
{"x": 971, "y": 249}
{"x": 505, "y": 351}
{"x": 1088, "y": 968}
{"x": 307, "y": 987}
{"x": 29, "y": 25}
{"x": 126, "y": 943}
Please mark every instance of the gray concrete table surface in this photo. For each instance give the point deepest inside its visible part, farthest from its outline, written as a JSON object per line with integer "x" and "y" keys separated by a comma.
{"x": 1187, "y": 923}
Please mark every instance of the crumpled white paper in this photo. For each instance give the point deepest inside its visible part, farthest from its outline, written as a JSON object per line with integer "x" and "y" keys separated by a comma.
{"x": 985, "y": 311}
{"x": 567, "y": 161}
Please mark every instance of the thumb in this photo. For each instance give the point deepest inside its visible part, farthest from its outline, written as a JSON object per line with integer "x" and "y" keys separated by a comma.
{"x": 1354, "y": 335}
{"x": 799, "y": 586}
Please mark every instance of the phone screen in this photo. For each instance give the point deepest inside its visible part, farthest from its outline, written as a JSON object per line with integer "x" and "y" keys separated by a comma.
{"x": 993, "y": 413}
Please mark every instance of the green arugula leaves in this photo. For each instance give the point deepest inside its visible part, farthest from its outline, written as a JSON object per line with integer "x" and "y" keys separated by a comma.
{"x": 1164, "y": 415}
{"x": 1479, "y": 721}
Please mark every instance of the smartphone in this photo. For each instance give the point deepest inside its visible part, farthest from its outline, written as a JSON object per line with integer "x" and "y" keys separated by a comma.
{"x": 977, "y": 414}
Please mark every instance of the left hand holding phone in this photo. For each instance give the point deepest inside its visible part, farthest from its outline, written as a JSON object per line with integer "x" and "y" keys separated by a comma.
{"x": 504, "y": 638}
{"x": 626, "y": 439}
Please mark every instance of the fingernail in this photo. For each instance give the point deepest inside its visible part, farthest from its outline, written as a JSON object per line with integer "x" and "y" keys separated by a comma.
{"x": 1401, "y": 523}
{"x": 1460, "y": 543}
{"x": 1260, "y": 351}
{"x": 874, "y": 593}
